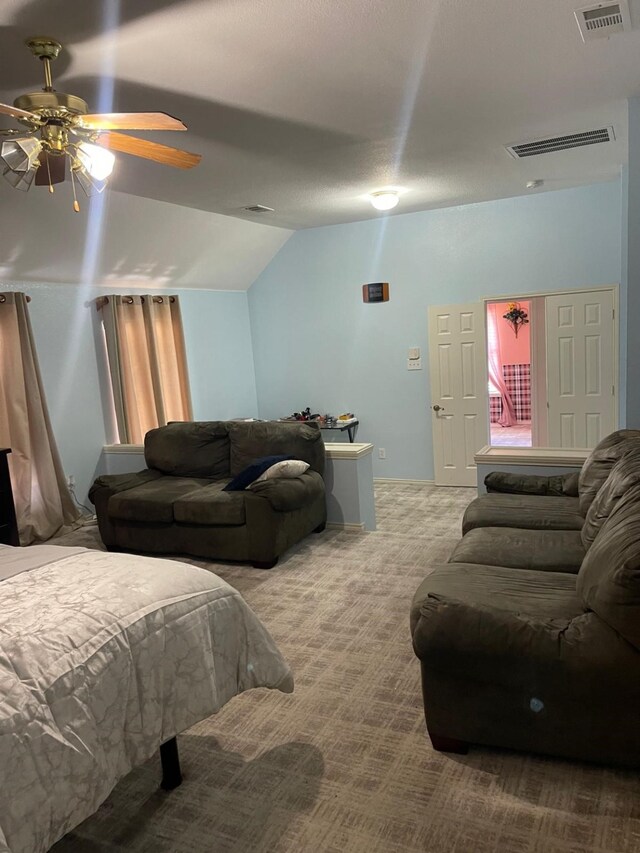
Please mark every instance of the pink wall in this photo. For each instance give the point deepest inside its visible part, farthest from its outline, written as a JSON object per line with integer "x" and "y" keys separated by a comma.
{"x": 514, "y": 350}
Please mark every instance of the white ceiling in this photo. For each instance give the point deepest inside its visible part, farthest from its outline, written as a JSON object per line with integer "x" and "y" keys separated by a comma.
{"x": 306, "y": 105}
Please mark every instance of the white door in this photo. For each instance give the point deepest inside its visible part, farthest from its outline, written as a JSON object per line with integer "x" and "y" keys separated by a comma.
{"x": 580, "y": 368}
{"x": 459, "y": 390}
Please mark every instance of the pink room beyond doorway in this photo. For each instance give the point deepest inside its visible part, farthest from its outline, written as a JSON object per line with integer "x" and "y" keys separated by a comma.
{"x": 509, "y": 367}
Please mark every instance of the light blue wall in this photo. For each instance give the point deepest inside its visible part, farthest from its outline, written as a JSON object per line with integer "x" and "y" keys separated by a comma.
{"x": 631, "y": 260}
{"x": 315, "y": 343}
{"x": 68, "y": 341}
{"x": 220, "y": 354}
{"x": 312, "y": 340}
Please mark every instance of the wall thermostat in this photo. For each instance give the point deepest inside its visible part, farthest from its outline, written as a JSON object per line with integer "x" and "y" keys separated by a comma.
{"x": 376, "y": 292}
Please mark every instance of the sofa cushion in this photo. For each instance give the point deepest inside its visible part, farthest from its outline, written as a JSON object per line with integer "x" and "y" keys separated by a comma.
{"x": 543, "y": 595}
{"x": 572, "y": 662}
{"x": 609, "y": 579}
{"x": 535, "y": 512}
{"x": 532, "y": 484}
{"x": 288, "y": 494}
{"x": 599, "y": 463}
{"x": 284, "y": 470}
{"x": 253, "y": 470}
{"x": 624, "y": 475}
{"x": 211, "y": 505}
{"x": 153, "y": 501}
{"x": 254, "y": 440}
{"x": 189, "y": 449}
{"x": 541, "y": 550}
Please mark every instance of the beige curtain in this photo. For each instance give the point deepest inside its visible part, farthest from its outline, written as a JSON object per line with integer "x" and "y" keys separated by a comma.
{"x": 147, "y": 363}
{"x": 43, "y": 502}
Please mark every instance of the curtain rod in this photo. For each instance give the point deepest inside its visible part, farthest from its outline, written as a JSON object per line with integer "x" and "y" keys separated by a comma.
{"x": 101, "y": 301}
{"x": 3, "y": 298}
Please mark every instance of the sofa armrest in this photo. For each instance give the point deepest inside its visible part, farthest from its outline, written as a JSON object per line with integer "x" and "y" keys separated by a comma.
{"x": 285, "y": 494}
{"x": 114, "y": 483}
{"x": 491, "y": 645}
{"x": 104, "y": 488}
{"x": 532, "y": 484}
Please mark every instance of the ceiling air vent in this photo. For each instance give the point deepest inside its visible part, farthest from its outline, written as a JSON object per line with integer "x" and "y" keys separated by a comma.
{"x": 561, "y": 143}
{"x": 259, "y": 208}
{"x": 603, "y": 19}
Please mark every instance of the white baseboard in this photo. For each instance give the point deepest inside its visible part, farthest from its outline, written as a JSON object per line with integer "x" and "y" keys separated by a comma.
{"x": 349, "y": 527}
{"x": 404, "y": 482}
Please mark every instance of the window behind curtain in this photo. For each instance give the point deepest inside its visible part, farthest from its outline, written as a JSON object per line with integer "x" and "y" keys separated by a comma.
{"x": 147, "y": 363}
{"x": 42, "y": 499}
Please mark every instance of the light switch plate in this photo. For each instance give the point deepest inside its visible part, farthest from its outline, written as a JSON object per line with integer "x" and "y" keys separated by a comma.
{"x": 414, "y": 352}
{"x": 414, "y": 364}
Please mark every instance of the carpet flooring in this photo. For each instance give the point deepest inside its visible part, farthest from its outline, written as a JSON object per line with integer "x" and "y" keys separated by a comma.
{"x": 343, "y": 765}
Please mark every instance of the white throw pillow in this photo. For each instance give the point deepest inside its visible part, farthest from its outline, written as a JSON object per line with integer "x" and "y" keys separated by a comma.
{"x": 286, "y": 468}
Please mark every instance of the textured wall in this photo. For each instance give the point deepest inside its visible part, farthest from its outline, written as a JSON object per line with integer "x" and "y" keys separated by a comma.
{"x": 70, "y": 351}
{"x": 631, "y": 263}
{"x": 120, "y": 240}
{"x": 316, "y": 343}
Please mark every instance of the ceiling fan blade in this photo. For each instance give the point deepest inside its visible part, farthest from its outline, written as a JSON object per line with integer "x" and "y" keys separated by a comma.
{"x": 52, "y": 169}
{"x": 14, "y": 112}
{"x": 149, "y": 150}
{"x": 131, "y": 121}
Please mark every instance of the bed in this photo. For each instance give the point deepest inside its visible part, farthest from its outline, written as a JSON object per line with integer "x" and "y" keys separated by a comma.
{"x": 104, "y": 658}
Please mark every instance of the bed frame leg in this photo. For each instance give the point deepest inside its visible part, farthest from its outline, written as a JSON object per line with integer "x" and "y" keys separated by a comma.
{"x": 170, "y": 760}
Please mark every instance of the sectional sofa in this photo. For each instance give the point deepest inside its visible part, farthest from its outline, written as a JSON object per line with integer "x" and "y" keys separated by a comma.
{"x": 529, "y": 637}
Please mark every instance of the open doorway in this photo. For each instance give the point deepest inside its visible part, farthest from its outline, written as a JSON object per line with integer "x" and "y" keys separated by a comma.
{"x": 509, "y": 371}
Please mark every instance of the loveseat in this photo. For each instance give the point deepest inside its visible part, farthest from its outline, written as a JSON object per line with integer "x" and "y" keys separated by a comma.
{"x": 529, "y": 637}
{"x": 179, "y": 503}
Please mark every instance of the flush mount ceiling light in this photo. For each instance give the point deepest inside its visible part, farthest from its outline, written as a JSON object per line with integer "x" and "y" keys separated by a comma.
{"x": 532, "y": 185}
{"x": 384, "y": 199}
{"x": 59, "y": 130}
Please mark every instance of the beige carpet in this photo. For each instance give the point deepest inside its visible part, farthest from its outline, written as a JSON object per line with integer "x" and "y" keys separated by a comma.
{"x": 344, "y": 764}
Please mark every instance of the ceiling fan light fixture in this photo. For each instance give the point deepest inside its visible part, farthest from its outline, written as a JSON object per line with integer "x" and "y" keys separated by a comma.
{"x": 21, "y": 155}
{"x": 98, "y": 162}
{"x": 20, "y": 180}
{"x": 62, "y": 132}
{"x": 89, "y": 185}
{"x": 384, "y": 199}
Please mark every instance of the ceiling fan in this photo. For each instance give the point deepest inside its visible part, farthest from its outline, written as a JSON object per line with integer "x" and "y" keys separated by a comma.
{"x": 61, "y": 132}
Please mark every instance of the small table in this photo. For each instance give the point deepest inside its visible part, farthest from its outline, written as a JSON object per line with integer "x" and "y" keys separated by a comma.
{"x": 351, "y": 427}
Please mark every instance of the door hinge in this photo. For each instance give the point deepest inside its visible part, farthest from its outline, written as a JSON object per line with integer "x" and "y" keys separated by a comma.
{"x": 613, "y": 390}
{"x": 547, "y": 404}
{"x": 613, "y": 313}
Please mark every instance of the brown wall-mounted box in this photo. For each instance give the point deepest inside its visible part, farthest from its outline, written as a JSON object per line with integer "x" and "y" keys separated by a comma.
{"x": 376, "y": 292}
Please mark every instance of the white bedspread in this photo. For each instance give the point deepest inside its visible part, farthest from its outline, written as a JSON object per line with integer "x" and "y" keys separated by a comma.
{"x": 102, "y": 658}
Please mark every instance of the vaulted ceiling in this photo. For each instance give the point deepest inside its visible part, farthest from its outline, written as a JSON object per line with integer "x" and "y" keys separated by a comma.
{"x": 307, "y": 105}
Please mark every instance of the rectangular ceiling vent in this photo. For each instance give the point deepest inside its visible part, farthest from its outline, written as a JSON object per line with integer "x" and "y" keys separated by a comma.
{"x": 603, "y": 20}
{"x": 259, "y": 208}
{"x": 561, "y": 143}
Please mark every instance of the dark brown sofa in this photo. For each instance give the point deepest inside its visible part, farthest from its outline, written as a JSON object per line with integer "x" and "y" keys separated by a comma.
{"x": 178, "y": 503}
{"x": 551, "y": 503}
{"x": 529, "y": 638}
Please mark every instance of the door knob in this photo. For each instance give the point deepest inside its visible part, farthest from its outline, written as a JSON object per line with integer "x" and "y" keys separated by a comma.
{"x": 437, "y": 408}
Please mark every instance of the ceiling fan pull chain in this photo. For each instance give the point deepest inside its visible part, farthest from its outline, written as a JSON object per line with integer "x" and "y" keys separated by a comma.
{"x": 49, "y": 172}
{"x": 76, "y": 206}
